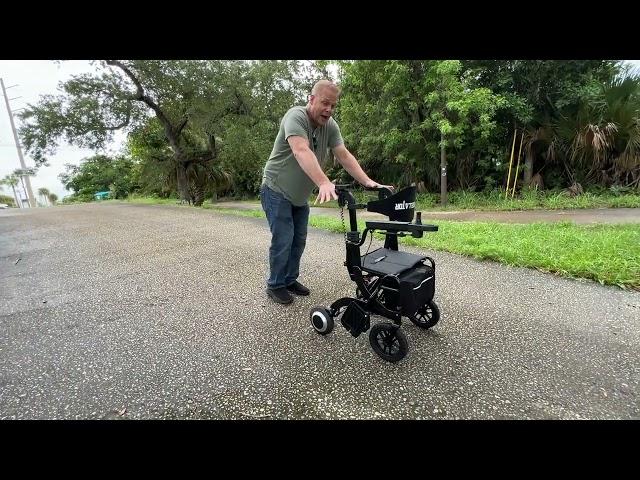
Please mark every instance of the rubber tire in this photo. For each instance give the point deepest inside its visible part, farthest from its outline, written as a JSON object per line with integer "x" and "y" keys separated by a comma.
{"x": 422, "y": 320}
{"x": 388, "y": 332}
{"x": 322, "y": 316}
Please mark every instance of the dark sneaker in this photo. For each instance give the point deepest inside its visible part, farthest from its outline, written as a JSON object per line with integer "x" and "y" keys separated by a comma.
{"x": 280, "y": 295}
{"x": 297, "y": 288}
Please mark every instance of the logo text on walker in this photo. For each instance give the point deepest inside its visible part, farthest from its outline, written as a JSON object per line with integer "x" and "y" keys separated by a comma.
{"x": 405, "y": 205}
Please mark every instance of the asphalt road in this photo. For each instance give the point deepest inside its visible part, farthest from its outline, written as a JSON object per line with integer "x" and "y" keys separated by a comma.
{"x": 124, "y": 311}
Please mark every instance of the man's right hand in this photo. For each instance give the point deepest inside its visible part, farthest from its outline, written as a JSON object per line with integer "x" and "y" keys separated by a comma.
{"x": 327, "y": 192}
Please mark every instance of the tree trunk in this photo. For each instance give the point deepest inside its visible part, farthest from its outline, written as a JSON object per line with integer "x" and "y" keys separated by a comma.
{"x": 443, "y": 172}
{"x": 181, "y": 177}
{"x": 528, "y": 167}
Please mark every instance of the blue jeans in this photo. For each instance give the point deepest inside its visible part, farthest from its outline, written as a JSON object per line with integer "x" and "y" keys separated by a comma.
{"x": 288, "y": 225}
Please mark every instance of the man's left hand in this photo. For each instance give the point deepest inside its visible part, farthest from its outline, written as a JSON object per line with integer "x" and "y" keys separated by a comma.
{"x": 372, "y": 184}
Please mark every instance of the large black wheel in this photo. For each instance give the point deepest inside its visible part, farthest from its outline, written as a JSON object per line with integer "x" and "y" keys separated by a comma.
{"x": 388, "y": 341}
{"x": 321, "y": 320}
{"x": 426, "y": 316}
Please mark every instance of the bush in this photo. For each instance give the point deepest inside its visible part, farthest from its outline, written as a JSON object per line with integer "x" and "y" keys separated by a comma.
{"x": 8, "y": 200}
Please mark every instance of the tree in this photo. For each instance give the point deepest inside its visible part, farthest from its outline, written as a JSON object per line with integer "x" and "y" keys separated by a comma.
{"x": 12, "y": 181}
{"x": 190, "y": 102}
{"x": 44, "y": 193}
{"x": 100, "y": 173}
{"x": 53, "y": 198}
{"x": 270, "y": 89}
{"x": 535, "y": 91}
{"x": 598, "y": 140}
{"x": 413, "y": 111}
{"x": 455, "y": 108}
{"x": 123, "y": 96}
{"x": 241, "y": 138}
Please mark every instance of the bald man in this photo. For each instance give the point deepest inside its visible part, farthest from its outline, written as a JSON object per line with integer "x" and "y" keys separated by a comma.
{"x": 295, "y": 167}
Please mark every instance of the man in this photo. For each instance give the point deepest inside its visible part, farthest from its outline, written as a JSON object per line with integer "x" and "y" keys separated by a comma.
{"x": 295, "y": 167}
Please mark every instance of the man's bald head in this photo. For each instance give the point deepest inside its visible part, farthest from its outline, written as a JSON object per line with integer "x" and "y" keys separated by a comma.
{"x": 322, "y": 85}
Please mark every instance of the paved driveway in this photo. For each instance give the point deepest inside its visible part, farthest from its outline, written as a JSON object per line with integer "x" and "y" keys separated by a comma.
{"x": 139, "y": 312}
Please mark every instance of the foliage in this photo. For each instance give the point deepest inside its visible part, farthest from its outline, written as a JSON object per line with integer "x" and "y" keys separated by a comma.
{"x": 7, "y": 200}
{"x": 101, "y": 173}
{"x": 200, "y": 129}
{"x": 397, "y": 115}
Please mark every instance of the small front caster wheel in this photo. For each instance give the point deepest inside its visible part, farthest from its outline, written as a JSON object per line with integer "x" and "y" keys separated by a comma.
{"x": 388, "y": 341}
{"x": 321, "y": 320}
{"x": 426, "y": 316}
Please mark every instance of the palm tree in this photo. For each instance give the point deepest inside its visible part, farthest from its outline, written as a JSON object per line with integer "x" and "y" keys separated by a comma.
{"x": 12, "y": 180}
{"x": 44, "y": 193}
{"x": 603, "y": 139}
{"x": 596, "y": 140}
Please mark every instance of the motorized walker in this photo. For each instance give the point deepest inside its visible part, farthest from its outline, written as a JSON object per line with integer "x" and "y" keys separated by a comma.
{"x": 390, "y": 283}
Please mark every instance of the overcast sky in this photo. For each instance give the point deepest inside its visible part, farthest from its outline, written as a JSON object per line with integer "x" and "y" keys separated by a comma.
{"x": 41, "y": 77}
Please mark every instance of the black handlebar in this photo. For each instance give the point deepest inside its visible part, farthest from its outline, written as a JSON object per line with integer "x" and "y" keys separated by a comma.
{"x": 352, "y": 186}
{"x": 383, "y": 192}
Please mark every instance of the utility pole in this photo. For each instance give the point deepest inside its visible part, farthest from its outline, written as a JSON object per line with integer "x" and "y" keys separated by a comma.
{"x": 443, "y": 171}
{"x": 30, "y": 196}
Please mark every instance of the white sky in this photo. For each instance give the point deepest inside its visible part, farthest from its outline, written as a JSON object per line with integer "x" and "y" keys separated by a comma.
{"x": 41, "y": 77}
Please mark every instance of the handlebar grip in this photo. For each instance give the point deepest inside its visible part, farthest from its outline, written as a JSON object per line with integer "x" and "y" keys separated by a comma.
{"x": 383, "y": 192}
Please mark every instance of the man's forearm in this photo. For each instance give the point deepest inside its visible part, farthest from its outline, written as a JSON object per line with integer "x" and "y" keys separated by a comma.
{"x": 310, "y": 166}
{"x": 352, "y": 167}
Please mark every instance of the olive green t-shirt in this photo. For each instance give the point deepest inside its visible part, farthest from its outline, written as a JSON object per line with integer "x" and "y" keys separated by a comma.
{"x": 283, "y": 173}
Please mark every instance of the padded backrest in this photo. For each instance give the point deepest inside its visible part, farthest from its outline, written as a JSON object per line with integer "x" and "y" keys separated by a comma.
{"x": 399, "y": 207}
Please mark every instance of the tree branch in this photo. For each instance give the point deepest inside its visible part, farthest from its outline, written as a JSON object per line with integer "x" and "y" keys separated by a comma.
{"x": 129, "y": 73}
{"x": 170, "y": 132}
{"x": 123, "y": 124}
{"x": 179, "y": 128}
